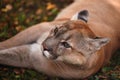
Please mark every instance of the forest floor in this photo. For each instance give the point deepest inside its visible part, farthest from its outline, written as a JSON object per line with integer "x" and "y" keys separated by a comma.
{"x": 17, "y": 15}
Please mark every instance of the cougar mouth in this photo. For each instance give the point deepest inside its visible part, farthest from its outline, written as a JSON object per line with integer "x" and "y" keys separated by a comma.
{"x": 47, "y": 54}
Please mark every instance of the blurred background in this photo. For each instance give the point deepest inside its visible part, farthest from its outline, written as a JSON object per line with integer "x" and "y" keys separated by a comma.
{"x": 17, "y": 15}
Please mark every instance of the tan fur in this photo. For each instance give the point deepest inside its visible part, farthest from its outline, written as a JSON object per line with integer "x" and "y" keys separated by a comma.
{"x": 103, "y": 21}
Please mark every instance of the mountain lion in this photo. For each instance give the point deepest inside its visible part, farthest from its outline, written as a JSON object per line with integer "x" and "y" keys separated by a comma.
{"x": 76, "y": 44}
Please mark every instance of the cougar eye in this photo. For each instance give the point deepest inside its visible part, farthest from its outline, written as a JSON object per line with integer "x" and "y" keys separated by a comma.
{"x": 65, "y": 44}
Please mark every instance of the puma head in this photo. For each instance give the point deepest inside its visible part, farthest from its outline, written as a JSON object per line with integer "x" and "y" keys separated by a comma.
{"x": 73, "y": 42}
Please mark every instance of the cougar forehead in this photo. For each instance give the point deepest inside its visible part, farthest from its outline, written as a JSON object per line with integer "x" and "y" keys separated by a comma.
{"x": 80, "y": 26}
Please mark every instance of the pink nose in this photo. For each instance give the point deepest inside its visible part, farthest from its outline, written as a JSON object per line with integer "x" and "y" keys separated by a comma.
{"x": 46, "y": 48}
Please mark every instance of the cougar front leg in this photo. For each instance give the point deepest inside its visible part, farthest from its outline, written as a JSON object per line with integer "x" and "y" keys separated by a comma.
{"x": 19, "y": 56}
{"x": 27, "y": 36}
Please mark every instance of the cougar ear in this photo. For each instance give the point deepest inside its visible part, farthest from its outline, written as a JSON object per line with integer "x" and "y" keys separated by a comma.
{"x": 91, "y": 45}
{"x": 96, "y": 44}
{"x": 82, "y": 15}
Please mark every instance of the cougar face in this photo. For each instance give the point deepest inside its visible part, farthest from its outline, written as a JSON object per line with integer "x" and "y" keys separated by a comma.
{"x": 72, "y": 42}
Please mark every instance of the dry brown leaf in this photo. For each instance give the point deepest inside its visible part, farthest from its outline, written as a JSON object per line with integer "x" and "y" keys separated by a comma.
{"x": 4, "y": 10}
{"x": 16, "y": 22}
{"x": 19, "y": 28}
{"x": 27, "y": 20}
{"x": 5, "y": 69}
{"x": 39, "y": 11}
{"x": 9, "y": 7}
{"x": 19, "y": 71}
{"x": 50, "y": 6}
{"x": 45, "y": 18}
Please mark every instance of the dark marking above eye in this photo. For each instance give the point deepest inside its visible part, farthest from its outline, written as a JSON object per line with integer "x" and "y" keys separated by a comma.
{"x": 55, "y": 30}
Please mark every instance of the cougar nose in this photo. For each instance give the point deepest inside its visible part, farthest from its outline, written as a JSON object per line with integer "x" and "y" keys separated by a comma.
{"x": 46, "y": 48}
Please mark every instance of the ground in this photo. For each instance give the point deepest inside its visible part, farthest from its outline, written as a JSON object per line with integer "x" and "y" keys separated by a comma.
{"x": 17, "y": 15}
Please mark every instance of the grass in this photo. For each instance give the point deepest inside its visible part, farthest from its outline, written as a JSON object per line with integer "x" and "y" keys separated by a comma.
{"x": 17, "y": 15}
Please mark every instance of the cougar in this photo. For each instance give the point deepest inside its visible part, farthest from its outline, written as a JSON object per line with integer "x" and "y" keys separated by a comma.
{"x": 76, "y": 44}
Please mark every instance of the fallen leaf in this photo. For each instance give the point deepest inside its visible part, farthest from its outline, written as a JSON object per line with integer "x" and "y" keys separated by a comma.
{"x": 4, "y": 10}
{"x": 39, "y": 11}
{"x": 9, "y": 7}
{"x": 50, "y": 6}
{"x": 45, "y": 18}
{"x": 19, "y": 28}
{"x": 19, "y": 71}
{"x": 16, "y": 22}
{"x": 27, "y": 20}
